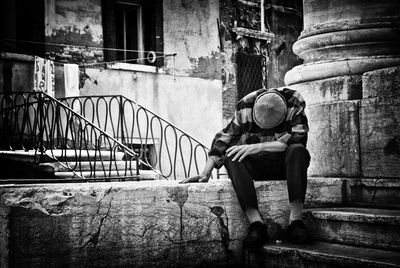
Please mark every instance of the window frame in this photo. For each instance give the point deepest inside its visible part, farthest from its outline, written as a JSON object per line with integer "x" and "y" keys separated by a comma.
{"x": 150, "y": 29}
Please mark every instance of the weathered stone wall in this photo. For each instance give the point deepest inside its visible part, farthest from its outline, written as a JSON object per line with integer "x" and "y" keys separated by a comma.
{"x": 229, "y": 90}
{"x": 141, "y": 224}
{"x": 75, "y": 23}
{"x": 380, "y": 123}
{"x": 190, "y": 30}
{"x": 346, "y": 47}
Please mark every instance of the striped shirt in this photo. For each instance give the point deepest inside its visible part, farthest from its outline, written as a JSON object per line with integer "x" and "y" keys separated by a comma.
{"x": 243, "y": 130}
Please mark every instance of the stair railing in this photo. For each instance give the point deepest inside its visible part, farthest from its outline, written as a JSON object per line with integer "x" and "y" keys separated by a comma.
{"x": 34, "y": 121}
{"x": 159, "y": 143}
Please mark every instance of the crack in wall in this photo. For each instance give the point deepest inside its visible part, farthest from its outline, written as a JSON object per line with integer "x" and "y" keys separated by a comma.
{"x": 94, "y": 238}
{"x": 179, "y": 195}
{"x": 224, "y": 230}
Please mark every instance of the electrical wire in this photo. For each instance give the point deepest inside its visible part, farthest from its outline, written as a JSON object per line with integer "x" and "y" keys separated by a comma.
{"x": 80, "y": 46}
{"x": 94, "y": 63}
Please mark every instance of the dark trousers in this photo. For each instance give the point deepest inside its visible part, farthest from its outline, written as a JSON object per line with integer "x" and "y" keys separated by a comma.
{"x": 290, "y": 165}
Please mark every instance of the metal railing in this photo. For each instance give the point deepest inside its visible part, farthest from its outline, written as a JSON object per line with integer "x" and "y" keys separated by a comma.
{"x": 35, "y": 122}
{"x": 159, "y": 143}
{"x": 109, "y": 129}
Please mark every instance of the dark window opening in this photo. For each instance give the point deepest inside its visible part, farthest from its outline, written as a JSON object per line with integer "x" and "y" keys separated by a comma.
{"x": 21, "y": 21}
{"x": 135, "y": 26}
{"x": 249, "y": 73}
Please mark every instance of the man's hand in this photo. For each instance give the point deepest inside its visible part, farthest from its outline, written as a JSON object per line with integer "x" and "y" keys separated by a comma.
{"x": 198, "y": 178}
{"x": 241, "y": 151}
{"x": 205, "y": 175}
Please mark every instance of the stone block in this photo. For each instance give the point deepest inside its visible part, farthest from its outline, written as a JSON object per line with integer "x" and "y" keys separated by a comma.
{"x": 334, "y": 139}
{"x": 380, "y": 137}
{"x": 330, "y": 89}
{"x": 326, "y": 255}
{"x": 381, "y": 83}
{"x": 374, "y": 192}
{"x": 367, "y": 227}
{"x": 141, "y": 224}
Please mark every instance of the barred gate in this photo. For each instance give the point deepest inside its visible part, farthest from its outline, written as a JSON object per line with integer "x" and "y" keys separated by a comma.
{"x": 249, "y": 73}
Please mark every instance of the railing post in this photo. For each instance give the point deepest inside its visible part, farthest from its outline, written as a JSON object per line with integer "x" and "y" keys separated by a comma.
{"x": 6, "y": 115}
{"x": 41, "y": 124}
{"x": 121, "y": 118}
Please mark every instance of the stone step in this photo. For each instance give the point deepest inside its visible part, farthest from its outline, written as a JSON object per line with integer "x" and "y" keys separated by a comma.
{"x": 112, "y": 175}
{"x": 21, "y": 156}
{"x": 321, "y": 255}
{"x": 373, "y": 205}
{"x": 68, "y": 177}
{"x": 374, "y": 191}
{"x": 369, "y": 227}
{"x": 84, "y": 155}
{"x": 89, "y": 165}
{"x": 32, "y": 156}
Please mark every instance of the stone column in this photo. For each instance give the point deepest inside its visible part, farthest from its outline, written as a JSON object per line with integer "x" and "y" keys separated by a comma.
{"x": 351, "y": 52}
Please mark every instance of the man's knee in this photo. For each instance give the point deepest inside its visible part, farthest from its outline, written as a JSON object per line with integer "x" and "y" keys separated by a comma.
{"x": 228, "y": 161}
{"x": 297, "y": 151}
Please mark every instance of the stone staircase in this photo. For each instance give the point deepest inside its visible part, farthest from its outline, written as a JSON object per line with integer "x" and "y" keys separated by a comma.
{"x": 29, "y": 166}
{"x": 365, "y": 232}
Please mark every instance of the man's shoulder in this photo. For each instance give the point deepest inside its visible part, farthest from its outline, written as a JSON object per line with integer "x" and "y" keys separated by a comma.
{"x": 291, "y": 95}
{"x": 285, "y": 90}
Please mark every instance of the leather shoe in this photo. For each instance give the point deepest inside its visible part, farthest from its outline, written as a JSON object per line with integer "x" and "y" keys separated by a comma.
{"x": 297, "y": 233}
{"x": 257, "y": 235}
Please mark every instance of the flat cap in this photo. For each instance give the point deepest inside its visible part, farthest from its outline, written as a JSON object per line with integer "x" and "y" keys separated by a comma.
{"x": 269, "y": 110}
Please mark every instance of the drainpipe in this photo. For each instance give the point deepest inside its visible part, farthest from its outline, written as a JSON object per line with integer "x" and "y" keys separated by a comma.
{"x": 262, "y": 16}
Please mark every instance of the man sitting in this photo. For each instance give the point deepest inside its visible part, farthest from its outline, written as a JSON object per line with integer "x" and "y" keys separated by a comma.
{"x": 266, "y": 139}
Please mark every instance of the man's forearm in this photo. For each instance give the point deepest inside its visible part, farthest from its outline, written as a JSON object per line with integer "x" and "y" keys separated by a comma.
{"x": 272, "y": 146}
{"x": 209, "y": 166}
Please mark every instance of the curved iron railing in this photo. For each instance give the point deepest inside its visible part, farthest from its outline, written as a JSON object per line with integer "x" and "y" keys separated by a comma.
{"x": 159, "y": 143}
{"x": 34, "y": 121}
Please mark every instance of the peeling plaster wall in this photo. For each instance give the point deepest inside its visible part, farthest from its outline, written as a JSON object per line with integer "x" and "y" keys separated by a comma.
{"x": 140, "y": 224}
{"x": 190, "y": 30}
{"x": 74, "y": 22}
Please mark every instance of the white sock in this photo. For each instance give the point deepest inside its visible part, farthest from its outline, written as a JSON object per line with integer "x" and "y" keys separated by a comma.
{"x": 253, "y": 215}
{"x": 296, "y": 210}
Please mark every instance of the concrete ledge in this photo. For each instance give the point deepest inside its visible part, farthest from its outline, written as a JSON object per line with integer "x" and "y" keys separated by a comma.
{"x": 152, "y": 223}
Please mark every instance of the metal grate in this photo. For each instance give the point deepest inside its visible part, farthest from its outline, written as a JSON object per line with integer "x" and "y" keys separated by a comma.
{"x": 249, "y": 73}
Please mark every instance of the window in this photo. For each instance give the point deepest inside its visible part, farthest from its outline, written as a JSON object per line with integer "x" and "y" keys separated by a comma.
{"x": 249, "y": 73}
{"x": 135, "y": 26}
{"x": 129, "y": 31}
